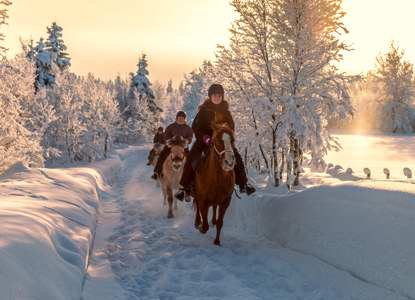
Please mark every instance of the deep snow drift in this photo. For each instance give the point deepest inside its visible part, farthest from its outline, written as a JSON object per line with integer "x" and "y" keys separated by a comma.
{"x": 328, "y": 239}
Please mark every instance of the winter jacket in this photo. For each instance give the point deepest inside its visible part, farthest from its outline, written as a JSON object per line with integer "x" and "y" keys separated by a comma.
{"x": 183, "y": 130}
{"x": 208, "y": 112}
{"x": 159, "y": 138}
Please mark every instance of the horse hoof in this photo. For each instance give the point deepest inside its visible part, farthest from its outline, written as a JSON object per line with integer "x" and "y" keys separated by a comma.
{"x": 217, "y": 243}
{"x": 170, "y": 216}
{"x": 202, "y": 230}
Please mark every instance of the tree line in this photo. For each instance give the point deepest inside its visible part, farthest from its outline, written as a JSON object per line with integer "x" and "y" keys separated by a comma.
{"x": 279, "y": 73}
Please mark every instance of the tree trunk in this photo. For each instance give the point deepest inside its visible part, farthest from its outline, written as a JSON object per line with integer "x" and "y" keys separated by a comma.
{"x": 275, "y": 160}
{"x": 296, "y": 162}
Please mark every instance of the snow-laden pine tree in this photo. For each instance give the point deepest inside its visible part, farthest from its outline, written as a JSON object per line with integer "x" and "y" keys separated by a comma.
{"x": 396, "y": 95}
{"x": 55, "y": 44}
{"x": 45, "y": 66}
{"x": 169, "y": 88}
{"x": 3, "y": 20}
{"x": 141, "y": 84}
{"x": 285, "y": 51}
{"x": 24, "y": 116}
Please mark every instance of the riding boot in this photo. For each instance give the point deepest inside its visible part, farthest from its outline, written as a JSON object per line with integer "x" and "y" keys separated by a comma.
{"x": 184, "y": 193}
{"x": 240, "y": 176}
{"x": 247, "y": 188}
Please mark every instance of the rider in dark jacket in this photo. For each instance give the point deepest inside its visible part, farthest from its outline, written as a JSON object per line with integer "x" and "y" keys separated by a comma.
{"x": 158, "y": 139}
{"x": 180, "y": 128}
{"x": 215, "y": 109}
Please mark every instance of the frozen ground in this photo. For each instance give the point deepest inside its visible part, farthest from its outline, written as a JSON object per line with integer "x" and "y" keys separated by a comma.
{"x": 99, "y": 231}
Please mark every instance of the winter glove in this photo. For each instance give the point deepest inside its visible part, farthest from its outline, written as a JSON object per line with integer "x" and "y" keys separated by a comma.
{"x": 207, "y": 139}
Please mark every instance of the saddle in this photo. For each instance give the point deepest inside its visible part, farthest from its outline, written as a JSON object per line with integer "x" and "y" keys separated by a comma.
{"x": 199, "y": 159}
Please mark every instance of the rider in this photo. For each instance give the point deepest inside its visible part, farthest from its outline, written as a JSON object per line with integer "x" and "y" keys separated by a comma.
{"x": 179, "y": 127}
{"x": 158, "y": 138}
{"x": 216, "y": 109}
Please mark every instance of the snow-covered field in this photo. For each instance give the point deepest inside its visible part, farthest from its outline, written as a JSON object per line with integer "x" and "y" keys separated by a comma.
{"x": 99, "y": 231}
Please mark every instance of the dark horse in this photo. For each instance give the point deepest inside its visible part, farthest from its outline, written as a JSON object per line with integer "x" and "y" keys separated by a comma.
{"x": 215, "y": 180}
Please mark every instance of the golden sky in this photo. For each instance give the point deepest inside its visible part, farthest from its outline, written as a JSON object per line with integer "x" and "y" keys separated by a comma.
{"x": 106, "y": 37}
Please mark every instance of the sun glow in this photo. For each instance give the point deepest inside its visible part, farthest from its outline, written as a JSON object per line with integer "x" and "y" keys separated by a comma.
{"x": 107, "y": 39}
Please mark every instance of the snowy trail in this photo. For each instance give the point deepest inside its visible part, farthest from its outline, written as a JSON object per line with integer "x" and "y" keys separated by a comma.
{"x": 140, "y": 254}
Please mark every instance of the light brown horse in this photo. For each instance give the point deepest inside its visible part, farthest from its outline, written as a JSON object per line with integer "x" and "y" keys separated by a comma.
{"x": 215, "y": 180}
{"x": 172, "y": 171}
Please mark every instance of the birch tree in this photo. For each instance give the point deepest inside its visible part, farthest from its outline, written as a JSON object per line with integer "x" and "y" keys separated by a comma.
{"x": 281, "y": 62}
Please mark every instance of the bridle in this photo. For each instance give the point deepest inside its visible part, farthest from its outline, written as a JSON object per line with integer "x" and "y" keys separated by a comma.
{"x": 229, "y": 150}
{"x": 224, "y": 151}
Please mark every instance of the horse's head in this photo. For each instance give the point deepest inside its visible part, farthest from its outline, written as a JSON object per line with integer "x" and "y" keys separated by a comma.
{"x": 223, "y": 145}
{"x": 177, "y": 144}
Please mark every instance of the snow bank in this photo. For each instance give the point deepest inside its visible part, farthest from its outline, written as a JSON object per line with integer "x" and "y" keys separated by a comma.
{"x": 363, "y": 228}
{"x": 48, "y": 218}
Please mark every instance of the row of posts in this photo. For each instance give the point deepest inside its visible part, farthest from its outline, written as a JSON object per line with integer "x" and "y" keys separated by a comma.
{"x": 406, "y": 171}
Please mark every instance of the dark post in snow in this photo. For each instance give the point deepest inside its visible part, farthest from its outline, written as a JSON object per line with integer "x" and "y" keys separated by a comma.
{"x": 367, "y": 172}
{"x": 386, "y": 172}
{"x": 407, "y": 172}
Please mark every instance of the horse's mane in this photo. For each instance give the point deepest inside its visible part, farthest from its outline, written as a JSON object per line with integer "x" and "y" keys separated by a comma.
{"x": 177, "y": 140}
{"x": 221, "y": 128}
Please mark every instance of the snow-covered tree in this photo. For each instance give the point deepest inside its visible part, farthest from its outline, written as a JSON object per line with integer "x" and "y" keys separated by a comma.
{"x": 396, "y": 96}
{"x": 55, "y": 44}
{"x": 250, "y": 69}
{"x": 121, "y": 92}
{"x": 87, "y": 117}
{"x": 3, "y": 19}
{"x": 45, "y": 66}
{"x": 174, "y": 103}
{"x": 281, "y": 66}
{"x": 169, "y": 88}
{"x": 141, "y": 84}
{"x": 100, "y": 117}
{"x": 24, "y": 116}
{"x": 194, "y": 89}
{"x": 66, "y": 132}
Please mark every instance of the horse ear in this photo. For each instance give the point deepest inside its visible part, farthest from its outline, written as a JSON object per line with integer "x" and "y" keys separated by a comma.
{"x": 213, "y": 125}
{"x": 169, "y": 143}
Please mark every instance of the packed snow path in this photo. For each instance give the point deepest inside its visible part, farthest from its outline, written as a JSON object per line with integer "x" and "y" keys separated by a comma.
{"x": 140, "y": 254}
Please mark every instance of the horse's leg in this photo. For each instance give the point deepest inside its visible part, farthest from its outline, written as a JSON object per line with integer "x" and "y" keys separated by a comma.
{"x": 222, "y": 210}
{"x": 213, "y": 220}
{"x": 204, "y": 209}
{"x": 197, "y": 215}
{"x": 175, "y": 203}
{"x": 170, "y": 202}
{"x": 163, "y": 189}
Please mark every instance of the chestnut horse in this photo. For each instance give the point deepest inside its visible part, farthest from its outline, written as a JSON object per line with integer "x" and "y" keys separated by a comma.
{"x": 172, "y": 171}
{"x": 215, "y": 180}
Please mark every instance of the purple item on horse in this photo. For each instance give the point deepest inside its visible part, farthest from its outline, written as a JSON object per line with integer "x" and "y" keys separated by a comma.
{"x": 207, "y": 139}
